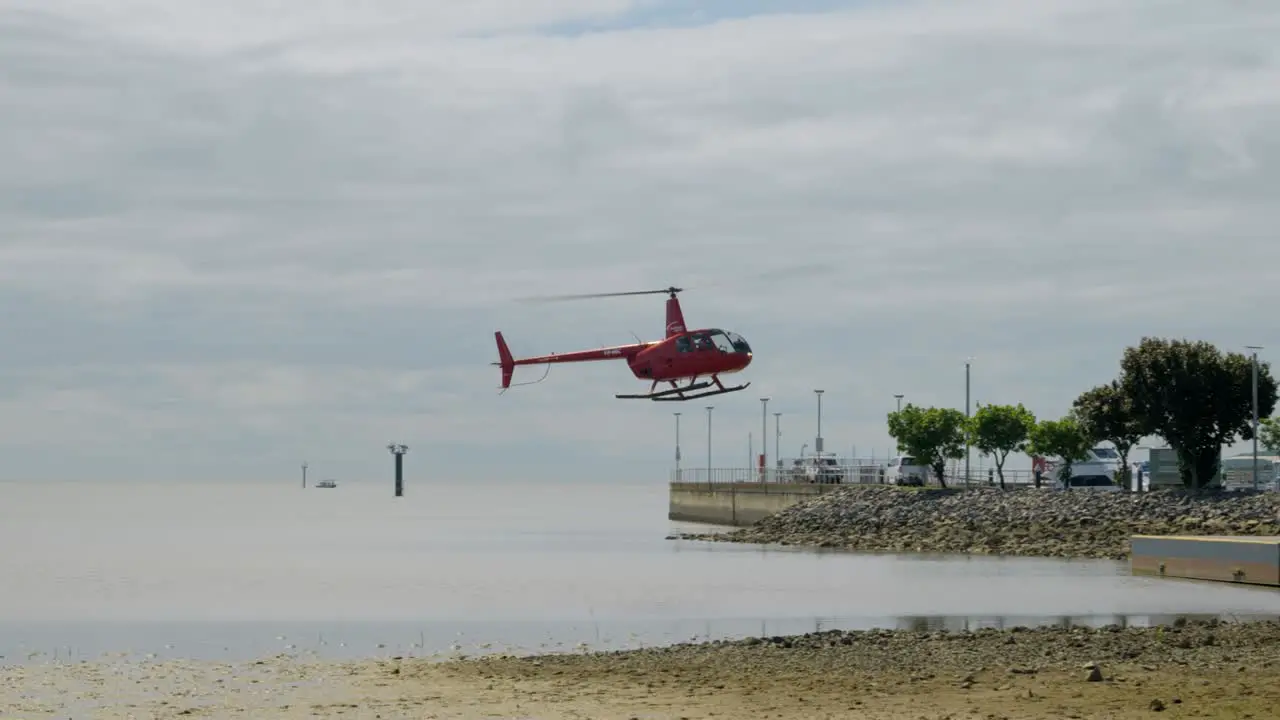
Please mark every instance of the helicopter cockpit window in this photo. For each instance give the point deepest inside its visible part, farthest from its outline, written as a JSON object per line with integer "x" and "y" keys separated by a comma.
{"x": 721, "y": 341}
{"x": 739, "y": 343}
{"x": 683, "y": 344}
{"x": 701, "y": 341}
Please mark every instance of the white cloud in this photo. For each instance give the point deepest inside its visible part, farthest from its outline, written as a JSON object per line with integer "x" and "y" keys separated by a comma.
{"x": 240, "y": 233}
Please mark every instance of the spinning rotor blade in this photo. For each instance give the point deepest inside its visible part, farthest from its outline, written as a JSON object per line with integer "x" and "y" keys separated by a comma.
{"x": 587, "y": 296}
{"x": 774, "y": 275}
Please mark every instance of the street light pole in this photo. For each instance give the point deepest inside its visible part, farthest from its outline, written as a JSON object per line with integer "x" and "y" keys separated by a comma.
{"x": 777, "y": 439}
{"x": 817, "y": 443}
{"x": 304, "y": 473}
{"x": 898, "y": 397}
{"x": 677, "y": 446}
{"x": 967, "y": 363}
{"x": 709, "y": 409}
{"x": 1255, "y": 349}
{"x": 764, "y": 442}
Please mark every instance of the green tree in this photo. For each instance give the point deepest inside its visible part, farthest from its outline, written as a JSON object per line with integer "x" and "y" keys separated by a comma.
{"x": 931, "y": 435}
{"x": 1269, "y": 435}
{"x": 1065, "y": 439}
{"x": 998, "y": 430}
{"x": 1195, "y": 397}
{"x": 1107, "y": 414}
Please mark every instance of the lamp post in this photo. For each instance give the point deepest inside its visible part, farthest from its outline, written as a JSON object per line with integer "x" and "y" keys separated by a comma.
{"x": 777, "y": 439}
{"x": 899, "y": 397}
{"x": 817, "y": 442}
{"x": 764, "y": 443}
{"x": 967, "y": 363}
{"x": 709, "y": 409}
{"x": 399, "y": 451}
{"x": 677, "y": 446}
{"x": 304, "y": 473}
{"x": 1255, "y": 349}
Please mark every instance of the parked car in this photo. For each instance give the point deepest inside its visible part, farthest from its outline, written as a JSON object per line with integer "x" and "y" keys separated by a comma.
{"x": 823, "y": 469}
{"x": 903, "y": 470}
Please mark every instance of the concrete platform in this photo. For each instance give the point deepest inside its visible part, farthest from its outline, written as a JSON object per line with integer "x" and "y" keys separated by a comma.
{"x": 1252, "y": 560}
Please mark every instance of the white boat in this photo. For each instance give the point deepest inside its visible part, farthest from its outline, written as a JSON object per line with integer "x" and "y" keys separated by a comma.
{"x": 327, "y": 484}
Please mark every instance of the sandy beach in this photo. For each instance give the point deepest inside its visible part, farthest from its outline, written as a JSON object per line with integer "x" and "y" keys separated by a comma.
{"x": 1202, "y": 670}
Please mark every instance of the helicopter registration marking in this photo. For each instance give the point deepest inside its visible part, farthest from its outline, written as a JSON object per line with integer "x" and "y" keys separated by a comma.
{"x": 612, "y": 351}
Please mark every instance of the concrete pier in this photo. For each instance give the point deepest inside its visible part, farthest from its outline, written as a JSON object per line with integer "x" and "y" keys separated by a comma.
{"x": 1253, "y": 560}
{"x": 739, "y": 504}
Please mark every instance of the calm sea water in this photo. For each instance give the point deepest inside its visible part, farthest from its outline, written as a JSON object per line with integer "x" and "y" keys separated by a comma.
{"x": 241, "y": 571}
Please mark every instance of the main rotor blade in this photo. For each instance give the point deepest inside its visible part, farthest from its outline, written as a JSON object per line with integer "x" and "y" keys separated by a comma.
{"x": 588, "y": 296}
{"x": 719, "y": 280}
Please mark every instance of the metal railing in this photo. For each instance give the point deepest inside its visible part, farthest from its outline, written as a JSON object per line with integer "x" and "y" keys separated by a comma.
{"x": 848, "y": 474}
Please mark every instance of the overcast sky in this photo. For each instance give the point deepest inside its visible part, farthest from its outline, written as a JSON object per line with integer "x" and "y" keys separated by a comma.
{"x": 236, "y": 235}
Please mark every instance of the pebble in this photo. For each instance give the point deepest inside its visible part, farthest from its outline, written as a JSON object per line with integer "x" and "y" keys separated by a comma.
{"x": 1016, "y": 521}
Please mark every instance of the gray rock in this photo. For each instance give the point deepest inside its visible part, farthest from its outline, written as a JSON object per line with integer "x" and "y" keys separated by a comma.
{"x": 1021, "y": 521}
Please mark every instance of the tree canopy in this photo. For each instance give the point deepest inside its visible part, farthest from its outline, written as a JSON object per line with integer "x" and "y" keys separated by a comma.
{"x": 998, "y": 430}
{"x": 1192, "y": 395}
{"x": 1064, "y": 438}
{"x": 1195, "y": 397}
{"x": 1269, "y": 435}
{"x": 931, "y": 435}
{"x": 1106, "y": 413}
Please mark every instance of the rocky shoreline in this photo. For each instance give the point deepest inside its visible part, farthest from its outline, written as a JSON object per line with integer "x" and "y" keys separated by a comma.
{"x": 1021, "y": 521}
{"x": 1189, "y": 668}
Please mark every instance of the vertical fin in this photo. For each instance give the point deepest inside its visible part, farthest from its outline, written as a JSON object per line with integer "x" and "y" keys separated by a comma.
{"x": 507, "y": 362}
{"x": 675, "y": 318}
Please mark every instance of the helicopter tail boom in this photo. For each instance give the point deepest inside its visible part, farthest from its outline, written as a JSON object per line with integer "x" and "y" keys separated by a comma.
{"x": 509, "y": 363}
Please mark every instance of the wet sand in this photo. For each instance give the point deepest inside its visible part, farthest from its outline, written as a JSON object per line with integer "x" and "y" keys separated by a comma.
{"x": 1202, "y": 670}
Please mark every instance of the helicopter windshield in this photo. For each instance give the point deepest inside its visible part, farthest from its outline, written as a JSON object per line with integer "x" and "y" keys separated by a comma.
{"x": 730, "y": 342}
{"x": 721, "y": 341}
{"x": 739, "y": 343}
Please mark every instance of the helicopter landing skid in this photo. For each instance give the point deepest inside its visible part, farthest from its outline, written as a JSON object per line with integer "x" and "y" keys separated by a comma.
{"x": 677, "y": 394}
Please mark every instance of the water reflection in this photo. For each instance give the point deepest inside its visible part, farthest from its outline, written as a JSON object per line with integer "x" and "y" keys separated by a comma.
{"x": 959, "y": 623}
{"x": 44, "y": 643}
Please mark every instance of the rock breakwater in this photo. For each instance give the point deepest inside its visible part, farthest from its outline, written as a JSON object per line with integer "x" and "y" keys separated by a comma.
{"x": 1021, "y": 521}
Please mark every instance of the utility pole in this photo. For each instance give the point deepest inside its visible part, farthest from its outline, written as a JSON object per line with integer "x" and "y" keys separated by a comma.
{"x": 1255, "y": 349}
{"x": 709, "y": 409}
{"x": 817, "y": 443}
{"x": 967, "y": 363}
{"x": 304, "y": 473}
{"x": 677, "y": 447}
{"x": 764, "y": 443}
{"x": 399, "y": 451}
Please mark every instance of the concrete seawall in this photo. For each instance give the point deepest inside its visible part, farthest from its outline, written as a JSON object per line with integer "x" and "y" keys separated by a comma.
{"x": 1253, "y": 560}
{"x": 739, "y": 504}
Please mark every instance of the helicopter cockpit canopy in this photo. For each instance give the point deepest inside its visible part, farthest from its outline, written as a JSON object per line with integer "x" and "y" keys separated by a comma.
{"x": 726, "y": 342}
{"x": 739, "y": 343}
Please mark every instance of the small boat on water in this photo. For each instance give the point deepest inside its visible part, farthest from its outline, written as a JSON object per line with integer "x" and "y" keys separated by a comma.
{"x": 326, "y": 484}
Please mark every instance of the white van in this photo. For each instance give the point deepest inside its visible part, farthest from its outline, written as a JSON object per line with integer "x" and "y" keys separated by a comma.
{"x": 903, "y": 470}
{"x": 822, "y": 468}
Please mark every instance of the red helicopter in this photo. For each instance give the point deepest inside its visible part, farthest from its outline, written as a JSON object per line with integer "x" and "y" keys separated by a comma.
{"x": 683, "y": 355}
